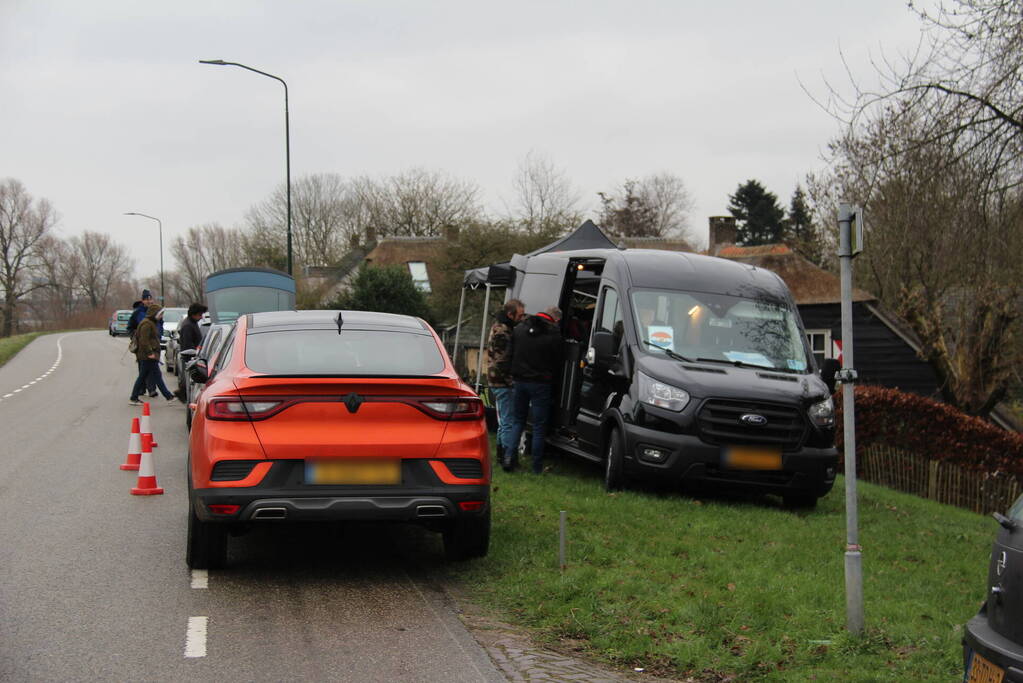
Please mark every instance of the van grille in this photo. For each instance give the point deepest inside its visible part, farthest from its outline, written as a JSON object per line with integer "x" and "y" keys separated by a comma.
{"x": 719, "y": 423}
{"x": 465, "y": 468}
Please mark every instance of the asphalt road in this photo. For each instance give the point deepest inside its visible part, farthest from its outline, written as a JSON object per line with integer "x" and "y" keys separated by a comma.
{"x": 93, "y": 583}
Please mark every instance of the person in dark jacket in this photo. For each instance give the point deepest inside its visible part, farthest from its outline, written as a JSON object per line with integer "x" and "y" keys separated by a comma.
{"x": 499, "y": 368}
{"x": 148, "y": 354}
{"x": 189, "y": 337}
{"x": 535, "y": 358}
{"x": 138, "y": 314}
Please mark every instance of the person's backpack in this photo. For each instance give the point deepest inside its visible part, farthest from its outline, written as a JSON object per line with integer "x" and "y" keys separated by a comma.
{"x": 133, "y": 342}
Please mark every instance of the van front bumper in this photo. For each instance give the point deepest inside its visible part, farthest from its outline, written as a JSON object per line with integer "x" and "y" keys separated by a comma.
{"x": 980, "y": 638}
{"x": 687, "y": 459}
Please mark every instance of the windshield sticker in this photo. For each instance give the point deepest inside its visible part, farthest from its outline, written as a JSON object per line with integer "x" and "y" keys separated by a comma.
{"x": 662, "y": 336}
{"x": 749, "y": 358}
{"x": 796, "y": 364}
{"x": 719, "y": 322}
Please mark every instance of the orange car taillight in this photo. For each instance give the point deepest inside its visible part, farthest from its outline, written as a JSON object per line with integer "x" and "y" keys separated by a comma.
{"x": 235, "y": 408}
{"x": 456, "y": 408}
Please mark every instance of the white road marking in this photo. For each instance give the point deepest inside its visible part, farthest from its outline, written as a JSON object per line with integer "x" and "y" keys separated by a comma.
{"x": 60, "y": 355}
{"x": 200, "y": 578}
{"x": 195, "y": 637}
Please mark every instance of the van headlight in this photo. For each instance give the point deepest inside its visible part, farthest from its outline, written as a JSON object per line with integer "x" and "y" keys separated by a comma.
{"x": 822, "y": 414}
{"x": 661, "y": 395}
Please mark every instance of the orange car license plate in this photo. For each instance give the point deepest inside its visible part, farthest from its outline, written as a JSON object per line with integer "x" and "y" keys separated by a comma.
{"x": 751, "y": 458}
{"x": 353, "y": 471}
{"x": 983, "y": 671}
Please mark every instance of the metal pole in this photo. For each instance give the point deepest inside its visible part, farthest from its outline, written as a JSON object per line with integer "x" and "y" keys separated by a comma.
{"x": 163, "y": 290}
{"x": 483, "y": 334}
{"x": 853, "y": 556}
{"x": 458, "y": 331}
{"x": 561, "y": 540}
{"x": 287, "y": 135}
{"x": 160, "y": 224}
{"x": 287, "y": 166}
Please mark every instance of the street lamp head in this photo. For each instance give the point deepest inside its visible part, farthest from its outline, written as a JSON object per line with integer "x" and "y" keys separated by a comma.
{"x": 218, "y": 62}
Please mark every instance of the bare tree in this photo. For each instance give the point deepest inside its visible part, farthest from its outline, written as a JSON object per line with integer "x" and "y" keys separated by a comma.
{"x": 327, "y": 217}
{"x": 545, "y": 200}
{"x": 205, "y": 249}
{"x": 23, "y": 224}
{"x": 102, "y": 265}
{"x": 419, "y": 203}
{"x": 943, "y": 249}
{"x": 657, "y": 205}
{"x": 59, "y": 266}
{"x": 669, "y": 198}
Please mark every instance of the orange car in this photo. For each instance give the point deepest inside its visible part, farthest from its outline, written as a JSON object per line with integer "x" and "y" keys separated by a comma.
{"x": 335, "y": 415}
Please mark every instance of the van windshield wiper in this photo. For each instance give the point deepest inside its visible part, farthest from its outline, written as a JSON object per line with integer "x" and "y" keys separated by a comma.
{"x": 667, "y": 351}
{"x": 742, "y": 364}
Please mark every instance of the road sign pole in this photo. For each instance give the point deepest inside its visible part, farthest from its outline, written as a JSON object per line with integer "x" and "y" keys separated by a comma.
{"x": 850, "y": 224}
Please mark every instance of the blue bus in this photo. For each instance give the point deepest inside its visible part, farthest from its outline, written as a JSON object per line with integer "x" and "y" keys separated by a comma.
{"x": 238, "y": 291}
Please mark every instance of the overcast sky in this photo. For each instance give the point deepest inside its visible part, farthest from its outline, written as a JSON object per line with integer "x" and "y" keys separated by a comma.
{"x": 104, "y": 108}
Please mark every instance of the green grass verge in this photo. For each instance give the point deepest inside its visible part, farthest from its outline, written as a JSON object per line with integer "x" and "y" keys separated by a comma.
{"x": 9, "y": 346}
{"x": 712, "y": 588}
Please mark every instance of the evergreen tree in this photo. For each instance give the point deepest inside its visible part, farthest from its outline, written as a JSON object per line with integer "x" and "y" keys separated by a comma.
{"x": 758, "y": 217}
{"x": 798, "y": 223}
{"x": 385, "y": 289}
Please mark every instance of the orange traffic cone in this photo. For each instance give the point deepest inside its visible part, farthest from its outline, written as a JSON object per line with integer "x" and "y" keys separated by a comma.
{"x": 146, "y": 429}
{"x": 134, "y": 447}
{"x": 147, "y": 475}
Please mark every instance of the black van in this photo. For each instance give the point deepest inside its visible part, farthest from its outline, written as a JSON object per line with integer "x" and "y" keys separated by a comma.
{"x": 684, "y": 367}
{"x": 993, "y": 640}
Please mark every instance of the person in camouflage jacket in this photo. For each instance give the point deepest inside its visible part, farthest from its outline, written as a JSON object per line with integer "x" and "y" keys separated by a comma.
{"x": 499, "y": 367}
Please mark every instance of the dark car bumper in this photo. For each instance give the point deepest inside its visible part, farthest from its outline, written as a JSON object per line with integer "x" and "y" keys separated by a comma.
{"x": 979, "y": 638}
{"x": 688, "y": 459}
{"x": 282, "y": 495}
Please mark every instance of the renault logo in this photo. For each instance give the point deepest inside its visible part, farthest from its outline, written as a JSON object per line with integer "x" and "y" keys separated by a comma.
{"x": 1003, "y": 560}
{"x": 352, "y": 402}
{"x": 753, "y": 419}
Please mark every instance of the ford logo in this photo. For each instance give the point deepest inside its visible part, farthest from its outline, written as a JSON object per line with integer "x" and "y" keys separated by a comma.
{"x": 753, "y": 419}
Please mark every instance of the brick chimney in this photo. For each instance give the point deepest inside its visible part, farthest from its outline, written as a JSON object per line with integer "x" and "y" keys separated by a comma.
{"x": 450, "y": 232}
{"x": 722, "y": 232}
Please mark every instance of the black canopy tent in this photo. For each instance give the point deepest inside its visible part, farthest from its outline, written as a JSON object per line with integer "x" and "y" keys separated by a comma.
{"x": 586, "y": 236}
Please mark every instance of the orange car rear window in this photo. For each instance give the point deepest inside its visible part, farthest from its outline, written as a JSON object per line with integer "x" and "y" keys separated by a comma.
{"x": 352, "y": 352}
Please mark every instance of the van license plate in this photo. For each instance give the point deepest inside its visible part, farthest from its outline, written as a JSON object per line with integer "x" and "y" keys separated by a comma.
{"x": 751, "y": 458}
{"x": 361, "y": 471}
{"x": 983, "y": 671}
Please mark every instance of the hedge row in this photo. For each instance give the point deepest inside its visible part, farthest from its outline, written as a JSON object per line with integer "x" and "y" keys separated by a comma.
{"x": 934, "y": 430}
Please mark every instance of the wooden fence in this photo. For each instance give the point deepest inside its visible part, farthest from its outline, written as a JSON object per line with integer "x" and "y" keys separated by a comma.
{"x": 941, "y": 481}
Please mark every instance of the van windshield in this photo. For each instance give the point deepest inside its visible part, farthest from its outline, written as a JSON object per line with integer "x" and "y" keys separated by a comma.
{"x": 716, "y": 327}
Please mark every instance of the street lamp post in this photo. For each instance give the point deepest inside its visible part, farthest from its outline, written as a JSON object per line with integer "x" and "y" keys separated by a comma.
{"x": 160, "y": 223}
{"x": 287, "y": 135}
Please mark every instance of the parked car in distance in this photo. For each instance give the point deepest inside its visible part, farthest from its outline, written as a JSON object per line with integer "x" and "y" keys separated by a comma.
{"x": 213, "y": 339}
{"x": 171, "y": 318}
{"x": 118, "y": 323}
{"x": 170, "y": 350}
{"x": 993, "y": 640}
{"x": 334, "y": 416}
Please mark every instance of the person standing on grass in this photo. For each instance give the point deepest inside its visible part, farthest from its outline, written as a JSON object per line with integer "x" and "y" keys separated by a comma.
{"x": 535, "y": 358}
{"x": 147, "y": 336}
{"x": 499, "y": 368}
{"x": 189, "y": 337}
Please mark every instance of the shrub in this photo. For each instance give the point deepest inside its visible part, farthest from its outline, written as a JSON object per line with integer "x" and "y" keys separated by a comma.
{"x": 934, "y": 430}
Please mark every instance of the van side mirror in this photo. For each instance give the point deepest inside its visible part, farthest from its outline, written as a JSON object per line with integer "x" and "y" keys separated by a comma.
{"x": 198, "y": 371}
{"x": 830, "y": 368}
{"x": 602, "y": 348}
